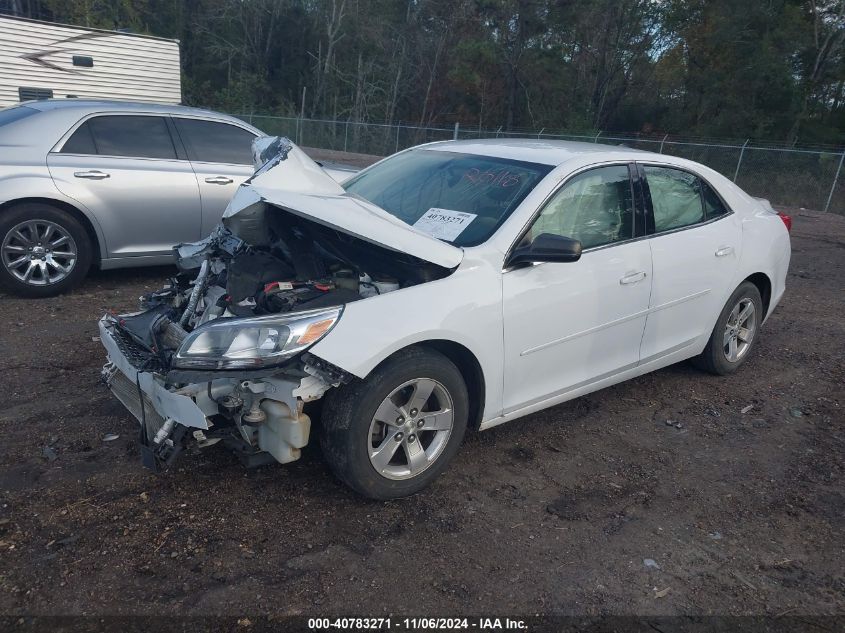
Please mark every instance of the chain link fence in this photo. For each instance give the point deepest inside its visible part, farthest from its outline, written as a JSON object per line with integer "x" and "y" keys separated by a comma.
{"x": 809, "y": 178}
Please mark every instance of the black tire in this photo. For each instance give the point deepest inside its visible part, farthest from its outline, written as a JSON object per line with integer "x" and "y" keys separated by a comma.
{"x": 35, "y": 211}
{"x": 349, "y": 410}
{"x": 714, "y": 359}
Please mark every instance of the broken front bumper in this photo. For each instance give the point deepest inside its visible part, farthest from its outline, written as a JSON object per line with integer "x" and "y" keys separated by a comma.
{"x": 171, "y": 416}
{"x": 154, "y": 398}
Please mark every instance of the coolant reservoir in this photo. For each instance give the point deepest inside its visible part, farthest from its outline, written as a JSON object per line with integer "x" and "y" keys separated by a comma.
{"x": 283, "y": 435}
{"x": 368, "y": 288}
{"x": 385, "y": 284}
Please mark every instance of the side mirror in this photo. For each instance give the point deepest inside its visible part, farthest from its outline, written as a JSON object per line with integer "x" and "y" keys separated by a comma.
{"x": 546, "y": 248}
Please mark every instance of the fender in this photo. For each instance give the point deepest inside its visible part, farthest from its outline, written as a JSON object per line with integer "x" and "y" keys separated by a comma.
{"x": 370, "y": 331}
{"x": 36, "y": 184}
{"x": 769, "y": 252}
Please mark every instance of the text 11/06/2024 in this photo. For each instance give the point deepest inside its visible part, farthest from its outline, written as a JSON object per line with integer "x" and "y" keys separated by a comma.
{"x": 417, "y": 624}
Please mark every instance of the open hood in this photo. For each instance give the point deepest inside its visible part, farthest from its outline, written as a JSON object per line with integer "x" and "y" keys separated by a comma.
{"x": 288, "y": 179}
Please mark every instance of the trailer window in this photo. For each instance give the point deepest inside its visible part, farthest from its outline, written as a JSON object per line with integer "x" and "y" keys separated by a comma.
{"x": 212, "y": 142}
{"x": 135, "y": 136}
{"x": 16, "y": 113}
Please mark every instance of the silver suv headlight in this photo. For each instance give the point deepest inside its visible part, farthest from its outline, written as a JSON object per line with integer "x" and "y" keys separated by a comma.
{"x": 254, "y": 342}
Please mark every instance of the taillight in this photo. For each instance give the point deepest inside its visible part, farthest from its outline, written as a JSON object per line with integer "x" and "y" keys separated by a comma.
{"x": 787, "y": 220}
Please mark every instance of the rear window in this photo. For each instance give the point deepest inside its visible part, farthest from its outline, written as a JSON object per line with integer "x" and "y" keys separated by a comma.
{"x": 457, "y": 198}
{"x": 212, "y": 142}
{"x": 675, "y": 198}
{"x": 16, "y": 113}
{"x": 80, "y": 142}
{"x": 713, "y": 205}
{"x": 119, "y": 135}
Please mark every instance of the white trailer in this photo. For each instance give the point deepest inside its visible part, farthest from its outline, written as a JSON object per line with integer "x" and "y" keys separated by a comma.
{"x": 42, "y": 60}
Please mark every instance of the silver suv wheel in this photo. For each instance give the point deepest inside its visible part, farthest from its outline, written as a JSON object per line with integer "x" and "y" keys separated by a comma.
{"x": 38, "y": 252}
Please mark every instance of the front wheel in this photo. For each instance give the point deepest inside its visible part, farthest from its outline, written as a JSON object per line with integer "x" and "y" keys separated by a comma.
{"x": 392, "y": 434}
{"x": 735, "y": 333}
{"x": 44, "y": 251}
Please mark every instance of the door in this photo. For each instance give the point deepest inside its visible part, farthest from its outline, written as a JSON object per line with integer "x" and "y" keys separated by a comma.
{"x": 695, "y": 249}
{"x": 125, "y": 170}
{"x": 570, "y": 324}
{"x": 221, "y": 154}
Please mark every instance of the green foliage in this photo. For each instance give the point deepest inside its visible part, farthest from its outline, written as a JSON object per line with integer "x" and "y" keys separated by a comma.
{"x": 766, "y": 69}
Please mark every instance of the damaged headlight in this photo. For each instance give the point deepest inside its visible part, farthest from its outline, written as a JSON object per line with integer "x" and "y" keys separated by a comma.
{"x": 255, "y": 342}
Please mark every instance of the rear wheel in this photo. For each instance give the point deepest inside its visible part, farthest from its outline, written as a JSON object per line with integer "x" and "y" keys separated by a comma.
{"x": 392, "y": 434}
{"x": 44, "y": 251}
{"x": 735, "y": 333}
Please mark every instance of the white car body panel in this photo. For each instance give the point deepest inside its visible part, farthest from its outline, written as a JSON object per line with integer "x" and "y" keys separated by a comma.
{"x": 305, "y": 189}
{"x": 694, "y": 273}
{"x": 541, "y": 334}
{"x": 369, "y": 331}
{"x": 566, "y": 324}
{"x": 338, "y": 173}
{"x": 674, "y": 320}
{"x": 768, "y": 250}
{"x": 298, "y": 173}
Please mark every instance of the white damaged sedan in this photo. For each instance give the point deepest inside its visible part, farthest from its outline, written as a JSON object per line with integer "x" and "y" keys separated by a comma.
{"x": 453, "y": 285}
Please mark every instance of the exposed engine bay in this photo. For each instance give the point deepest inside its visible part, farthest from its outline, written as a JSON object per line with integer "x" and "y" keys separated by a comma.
{"x": 299, "y": 268}
{"x": 219, "y": 353}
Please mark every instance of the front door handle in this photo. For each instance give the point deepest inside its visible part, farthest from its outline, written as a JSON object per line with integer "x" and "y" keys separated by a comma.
{"x": 91, "y": 174}
{"x": 724, "y": 251}
{"x": 219, "y": 180}
{"x": 632, "y": 278}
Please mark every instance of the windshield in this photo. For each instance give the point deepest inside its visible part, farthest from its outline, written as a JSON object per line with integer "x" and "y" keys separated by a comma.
{"x": 458, "y": 198}
{"x": 15, "y": 113}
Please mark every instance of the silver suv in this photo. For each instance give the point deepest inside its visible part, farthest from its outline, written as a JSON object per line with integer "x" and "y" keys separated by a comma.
{"x": 109, "y": 184}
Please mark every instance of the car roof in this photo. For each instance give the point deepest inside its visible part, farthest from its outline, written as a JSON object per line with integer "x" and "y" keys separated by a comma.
{"x": 92, "y": 105}
{"x": 545, "y": 151}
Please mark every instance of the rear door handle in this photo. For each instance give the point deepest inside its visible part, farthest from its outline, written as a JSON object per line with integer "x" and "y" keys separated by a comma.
{"x": 219, "y": 180}
{"x": 724, "y": 251}
{"x": 632, "y": 278}
{"x": 91, "y": 174}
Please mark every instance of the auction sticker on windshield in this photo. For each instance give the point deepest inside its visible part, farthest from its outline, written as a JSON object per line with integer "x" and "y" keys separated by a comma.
{"x": 443, "y": 223}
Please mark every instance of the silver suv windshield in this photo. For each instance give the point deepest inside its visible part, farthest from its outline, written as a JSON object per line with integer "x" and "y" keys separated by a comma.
{"x": 458, "y": 198}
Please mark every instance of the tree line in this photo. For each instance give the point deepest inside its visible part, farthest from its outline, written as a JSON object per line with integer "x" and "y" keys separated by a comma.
{"x": 761, "y": 69}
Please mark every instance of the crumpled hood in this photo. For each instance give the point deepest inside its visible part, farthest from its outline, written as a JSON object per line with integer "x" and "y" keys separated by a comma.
{"x": 287, "y": 178}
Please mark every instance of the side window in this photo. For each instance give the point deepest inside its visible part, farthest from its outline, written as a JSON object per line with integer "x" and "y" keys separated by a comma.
{"x": 135, "y": 136}
{"x": 80, "y": 142}
{"x": 596, "y": 208}
{"x": 713, "y": 205}
{"x": 211, "y": 142}
{"x": 675, "y": 197}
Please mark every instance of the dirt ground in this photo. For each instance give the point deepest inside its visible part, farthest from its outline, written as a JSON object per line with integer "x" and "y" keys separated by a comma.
{"x": 733, "y": 487}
